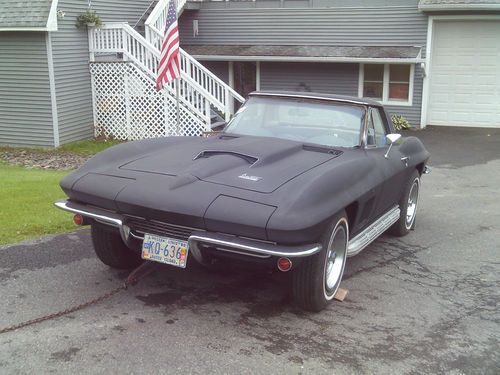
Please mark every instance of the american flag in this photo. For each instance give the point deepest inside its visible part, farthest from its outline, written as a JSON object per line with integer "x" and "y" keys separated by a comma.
{"x": 168, "y": 67}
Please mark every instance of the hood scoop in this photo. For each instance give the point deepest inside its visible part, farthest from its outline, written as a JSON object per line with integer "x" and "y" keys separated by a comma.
{"x": 209, "y": 153}
{"x": 259, "y": 164}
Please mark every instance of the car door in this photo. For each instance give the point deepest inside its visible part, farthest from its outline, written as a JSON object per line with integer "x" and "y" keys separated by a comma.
{"x": 391, "y": 162}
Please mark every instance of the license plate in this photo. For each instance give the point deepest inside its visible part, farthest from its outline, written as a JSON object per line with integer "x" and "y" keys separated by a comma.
{"x": 165, "y": 250}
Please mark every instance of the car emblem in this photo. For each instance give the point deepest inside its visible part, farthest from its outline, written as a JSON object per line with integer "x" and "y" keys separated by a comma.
{"x": 251, "y": 178}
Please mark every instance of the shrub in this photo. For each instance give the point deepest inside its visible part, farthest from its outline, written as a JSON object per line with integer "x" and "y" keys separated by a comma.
{"x": 400, "y": 122}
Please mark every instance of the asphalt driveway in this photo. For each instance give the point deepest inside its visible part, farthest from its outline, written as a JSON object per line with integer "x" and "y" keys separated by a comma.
{"x": 425, "y": 303}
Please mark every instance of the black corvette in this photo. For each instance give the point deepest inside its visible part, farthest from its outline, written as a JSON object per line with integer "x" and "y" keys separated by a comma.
{"x": 296, "y": 181}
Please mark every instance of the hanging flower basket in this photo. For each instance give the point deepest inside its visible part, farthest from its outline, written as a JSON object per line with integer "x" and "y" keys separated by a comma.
{"x": 89, "y": 19}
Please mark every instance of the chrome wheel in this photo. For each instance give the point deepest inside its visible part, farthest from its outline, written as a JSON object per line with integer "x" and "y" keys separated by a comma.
{"x": 411, "y": 209}
{"x": 336, "y": 255}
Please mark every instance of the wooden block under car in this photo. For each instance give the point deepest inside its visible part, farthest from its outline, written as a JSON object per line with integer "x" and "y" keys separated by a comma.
{"x": 341, "y": 294}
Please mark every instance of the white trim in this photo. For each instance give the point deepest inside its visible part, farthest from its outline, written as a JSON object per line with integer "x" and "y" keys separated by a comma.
{"x": 428, "y": 53}
{"x": 361, "y": 78}
{"x": 23, "y": 28}
{"x": 467, "y": 17}
{"x": 385, "y": 84}
{"x": 52, "y": 20}
{"x": 412, "y": 83}
{"x": 458, "y": 7}
{"x": 385, "y": 90}
{"x": 372, "y": 60}
{"x": 230, "y": 78}
{"x": 52, "y": 84}
{"x": 257, "y": 75}
{"x": 427, "y": 73}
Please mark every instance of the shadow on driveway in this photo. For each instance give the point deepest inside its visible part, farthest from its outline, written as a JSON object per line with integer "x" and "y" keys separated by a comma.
{"x": 457, "y": 146}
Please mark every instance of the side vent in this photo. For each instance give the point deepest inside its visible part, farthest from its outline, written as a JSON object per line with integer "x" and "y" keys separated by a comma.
{"x": 323, "y": 149}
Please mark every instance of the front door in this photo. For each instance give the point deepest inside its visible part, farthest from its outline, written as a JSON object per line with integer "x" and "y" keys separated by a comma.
{"x": 245, "y": 78}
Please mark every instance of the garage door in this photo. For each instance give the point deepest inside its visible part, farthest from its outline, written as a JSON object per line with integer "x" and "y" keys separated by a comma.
{"x": 465, "y": 74}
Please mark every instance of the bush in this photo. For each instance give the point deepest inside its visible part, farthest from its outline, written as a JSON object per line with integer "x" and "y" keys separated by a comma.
{"x": 400, "y": 122}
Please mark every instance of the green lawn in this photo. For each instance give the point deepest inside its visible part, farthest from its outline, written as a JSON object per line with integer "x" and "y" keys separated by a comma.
{"x": 26, "y": 204}
{"x": 85, "y": 148}
{"x": 89, "y": 147}
{"x": 27, "y": 195}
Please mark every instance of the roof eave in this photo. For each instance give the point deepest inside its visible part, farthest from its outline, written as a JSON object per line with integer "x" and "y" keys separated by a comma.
{"x": 385, "y": 60}
{"x": 51, "y": 24}
{"x": 23, "y": 29}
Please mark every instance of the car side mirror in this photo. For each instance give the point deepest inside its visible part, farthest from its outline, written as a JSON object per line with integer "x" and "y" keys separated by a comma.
{"x": 391, "y": 138}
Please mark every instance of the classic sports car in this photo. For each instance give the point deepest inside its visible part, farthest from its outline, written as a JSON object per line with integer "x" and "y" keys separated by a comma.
{"x": 295, "y": 181}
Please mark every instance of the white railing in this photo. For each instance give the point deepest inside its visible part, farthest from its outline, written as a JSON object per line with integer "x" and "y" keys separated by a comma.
{"x": 158, "y": 16}
{"x": 221, "y": 92}
{"x": 121, "y": 38}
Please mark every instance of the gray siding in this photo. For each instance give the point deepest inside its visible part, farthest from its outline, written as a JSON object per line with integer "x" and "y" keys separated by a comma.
{"x": 341, "y": 79}
{"x": 71, "y": 62}
{"x": 314, "y": 22}
{"x": 218, "y": 4}
{"x": 70, "y": 53}
{"x": 343, "y": 26}
{"x": 219, "y": 68}
{"x": 117, "y": 10}
{"x": 25, "y": 106}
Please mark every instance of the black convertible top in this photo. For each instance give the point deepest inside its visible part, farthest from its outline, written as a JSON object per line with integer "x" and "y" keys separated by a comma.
{"x": 320, "y": 96}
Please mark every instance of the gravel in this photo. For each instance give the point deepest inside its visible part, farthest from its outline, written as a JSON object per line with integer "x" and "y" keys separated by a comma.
{"x": 43, "y": 159}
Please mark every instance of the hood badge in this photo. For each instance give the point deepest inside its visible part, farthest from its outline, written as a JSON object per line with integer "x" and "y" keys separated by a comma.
{"x": 251, "y": 178}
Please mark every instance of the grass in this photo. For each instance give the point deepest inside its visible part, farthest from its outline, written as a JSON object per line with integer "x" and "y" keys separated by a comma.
{"x": 88, "y": 147}
{"x": 27, "y": 195}
{"x": 26, "y": 202}
{"x": 84, "y": 148}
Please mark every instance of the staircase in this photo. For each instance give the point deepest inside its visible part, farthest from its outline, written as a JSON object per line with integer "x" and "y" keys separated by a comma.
{"x": 140, "y": 25}
{"x": 126, "y": 104}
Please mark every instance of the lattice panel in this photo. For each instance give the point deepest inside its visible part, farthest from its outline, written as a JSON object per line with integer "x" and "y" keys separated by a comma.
{"x": 127, "y": 105}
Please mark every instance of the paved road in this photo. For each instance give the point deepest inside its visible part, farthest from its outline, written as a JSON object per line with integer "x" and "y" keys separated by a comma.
{"x": 427, "y": 303}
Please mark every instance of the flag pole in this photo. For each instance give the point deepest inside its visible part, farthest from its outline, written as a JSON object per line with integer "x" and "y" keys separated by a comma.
{"x": 177, "y": 96}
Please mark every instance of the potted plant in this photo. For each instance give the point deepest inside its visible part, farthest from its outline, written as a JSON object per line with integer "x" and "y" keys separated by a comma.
{"x": 89, "y": 18}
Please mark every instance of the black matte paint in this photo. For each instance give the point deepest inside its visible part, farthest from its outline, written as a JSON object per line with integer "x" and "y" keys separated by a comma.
{"x": 295, "y": 191}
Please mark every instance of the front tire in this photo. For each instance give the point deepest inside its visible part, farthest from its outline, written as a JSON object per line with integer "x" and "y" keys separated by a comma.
{"x": 110, "y": 248}
{"x": 408, "y": 205}
{"x": 317, "y": 279}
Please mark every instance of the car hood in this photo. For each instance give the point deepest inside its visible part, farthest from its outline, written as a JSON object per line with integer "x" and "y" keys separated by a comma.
{"x": 252, "y": 163}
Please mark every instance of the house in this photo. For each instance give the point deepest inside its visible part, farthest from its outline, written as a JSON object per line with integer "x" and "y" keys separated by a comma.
{"x": 45, "y": 85}
{"x": 436, "y": 62}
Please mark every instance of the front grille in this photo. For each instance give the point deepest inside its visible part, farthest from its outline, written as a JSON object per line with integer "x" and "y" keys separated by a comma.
{"x": 140, "y": 226}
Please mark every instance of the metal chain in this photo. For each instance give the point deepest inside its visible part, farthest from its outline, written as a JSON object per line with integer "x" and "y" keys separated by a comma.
{"x": 135, "y": 276}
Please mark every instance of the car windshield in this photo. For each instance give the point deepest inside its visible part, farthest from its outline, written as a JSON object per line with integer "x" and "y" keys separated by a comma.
{"x": 321, "y": 122}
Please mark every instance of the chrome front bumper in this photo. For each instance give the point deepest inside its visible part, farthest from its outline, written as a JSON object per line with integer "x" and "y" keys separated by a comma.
{"x": 198, "y": 238}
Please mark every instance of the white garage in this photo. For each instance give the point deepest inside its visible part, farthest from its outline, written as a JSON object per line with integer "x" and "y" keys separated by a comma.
{"x": 464, "y": 73}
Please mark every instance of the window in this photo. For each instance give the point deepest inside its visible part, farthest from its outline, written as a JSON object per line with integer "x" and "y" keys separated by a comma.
{"x": 376, "y": 129}
{"x": 373, "y": 85}
{"x": 299, "y": 119}
{"x": 387, "y": 83}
